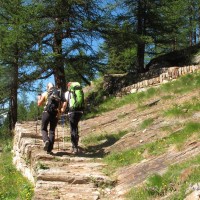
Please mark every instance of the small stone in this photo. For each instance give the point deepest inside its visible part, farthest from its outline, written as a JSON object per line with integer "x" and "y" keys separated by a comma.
{"x": 107, "y": 190}
{"x": 134, "y": 120}
{"x": 133, "y": 91}
{"x": 193, "y": 196}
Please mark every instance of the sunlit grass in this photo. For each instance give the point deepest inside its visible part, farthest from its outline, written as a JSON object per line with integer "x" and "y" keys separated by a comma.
{"x": 120, "y": 159}
{"x": 116, "y": 160}
{"x": 182, "y": 85}
{"x": 104, "y": 137}
{"x": 165, "y": 91}
{"x": 146, "y": 123}
{"x": 185, "y": 109}
{"x": 12, "y": 184}
{"x": 169, "y": 183}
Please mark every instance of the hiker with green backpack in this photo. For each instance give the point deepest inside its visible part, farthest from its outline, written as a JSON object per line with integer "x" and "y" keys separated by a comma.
{"x": 75, "y": 105}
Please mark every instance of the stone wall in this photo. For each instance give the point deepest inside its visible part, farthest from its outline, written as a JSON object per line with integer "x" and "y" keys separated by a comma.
{"x": 156, "y": 77}
{"x": 26, "y": 139}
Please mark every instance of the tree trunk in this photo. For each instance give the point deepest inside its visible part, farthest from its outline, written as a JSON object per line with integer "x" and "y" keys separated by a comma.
{"x": 140, "y": 57}
{"x": 59, "y": 72}
{"x": 140, "y": 32}
{"x": 13, "y": 97}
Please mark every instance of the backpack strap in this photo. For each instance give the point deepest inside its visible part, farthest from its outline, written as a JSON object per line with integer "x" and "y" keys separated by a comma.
{"x": 68, "y": 100}
{"x": 69, "y": 97}
{"x": 61, "y": 99}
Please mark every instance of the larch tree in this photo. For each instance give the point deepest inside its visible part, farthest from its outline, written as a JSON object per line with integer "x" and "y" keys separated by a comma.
{"x": 134, "y": 31}
{"x": 157, "y": 27}
{"x": 15, "y": 46}
{"x": 68, "y": 32}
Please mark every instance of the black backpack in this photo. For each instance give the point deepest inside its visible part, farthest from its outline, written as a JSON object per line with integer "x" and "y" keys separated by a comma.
{"x": 53, "y": 101}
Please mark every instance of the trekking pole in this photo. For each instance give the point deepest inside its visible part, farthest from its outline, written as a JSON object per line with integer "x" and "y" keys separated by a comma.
{"x": 37, "y": 118}
{"x": 58, "y": 139}
{"x": 63, "y": 124}
{"x": 36, "y": 126}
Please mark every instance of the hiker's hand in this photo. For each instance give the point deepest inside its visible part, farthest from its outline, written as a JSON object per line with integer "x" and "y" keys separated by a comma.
{"x": 62, "y": 110}
{"x": 41, "y": 99}
{"x": 63, "y": 107}
{"x": 39, "y": 96}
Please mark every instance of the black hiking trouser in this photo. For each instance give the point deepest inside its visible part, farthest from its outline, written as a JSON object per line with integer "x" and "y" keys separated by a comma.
{"x": 52, "y": 120}
{"x": 74, "y": 118}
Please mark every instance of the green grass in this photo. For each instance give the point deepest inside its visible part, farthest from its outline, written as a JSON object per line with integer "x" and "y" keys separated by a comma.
{"x": 116, "y": 160}
{"x": 176, "y": 111}
{"x": 159, "y": 185}
{"x": 12, "y": 184}
{"x": 183, "y": 110}
{"x": 41, "y": 165}
{"x": 167, "y": 97}
{"x": 105, "y": 137}
{"x": 177, "y": 138}
{"x": 156, "y": 184}
{"x": 165, "y": 91}
{"x": 120, "y": 159}
{"x": 146, "y": 123}
{"x": 182, "y": 85}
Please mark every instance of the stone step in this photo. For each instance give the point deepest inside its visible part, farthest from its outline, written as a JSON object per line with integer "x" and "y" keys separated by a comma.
{"x": 59, "y": 190}
{"x": 67, "y": 196}
{"x": 74, "y": 164}
{"x": 71, "y": 177}
{"x": 62, "y": 185}
{"x": 60, "y": 175}
{"x": 66, "y": 157}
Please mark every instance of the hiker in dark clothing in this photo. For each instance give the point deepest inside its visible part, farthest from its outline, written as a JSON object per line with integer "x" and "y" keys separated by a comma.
{"x": 48, "y": 118}
{"x": 74, "y": 118}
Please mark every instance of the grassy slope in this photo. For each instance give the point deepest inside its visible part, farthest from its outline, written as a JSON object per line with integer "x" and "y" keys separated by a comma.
{"x": 169, "y": 183}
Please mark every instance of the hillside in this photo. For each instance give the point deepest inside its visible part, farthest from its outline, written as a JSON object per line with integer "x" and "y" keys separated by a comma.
{"x": 128, "y": 145}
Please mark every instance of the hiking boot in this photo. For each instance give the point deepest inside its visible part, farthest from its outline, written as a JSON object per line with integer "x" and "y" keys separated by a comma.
{"x": 74, "y": 150}
{"x": 46, "y": 145}
{"x": 50, "y": 153}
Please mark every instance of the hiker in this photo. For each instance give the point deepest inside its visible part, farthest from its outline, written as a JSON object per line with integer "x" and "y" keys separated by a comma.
{"x": 50, "y": 115}
{"x": 74, "y": 103}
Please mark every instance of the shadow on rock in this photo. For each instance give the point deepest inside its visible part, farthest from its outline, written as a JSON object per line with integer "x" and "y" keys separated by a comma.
{"x": 98, "y": 151}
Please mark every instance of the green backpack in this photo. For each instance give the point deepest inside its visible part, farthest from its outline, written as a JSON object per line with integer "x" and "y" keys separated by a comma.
{"x": 76, "y": 97}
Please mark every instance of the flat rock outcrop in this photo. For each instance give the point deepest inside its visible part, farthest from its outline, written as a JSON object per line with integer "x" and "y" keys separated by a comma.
{"x": 137, "y": 173}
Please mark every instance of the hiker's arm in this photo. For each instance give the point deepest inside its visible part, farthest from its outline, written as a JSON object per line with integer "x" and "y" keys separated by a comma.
{"x": 41, "y": 99}
{"x": 64, "y": 106}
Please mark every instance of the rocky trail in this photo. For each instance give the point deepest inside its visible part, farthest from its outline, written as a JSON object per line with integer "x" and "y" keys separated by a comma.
{"x": 61, "y": 175}
{"x": 66, "y": 176}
